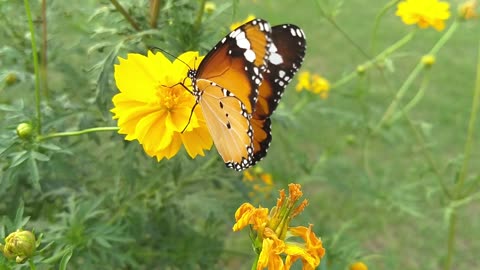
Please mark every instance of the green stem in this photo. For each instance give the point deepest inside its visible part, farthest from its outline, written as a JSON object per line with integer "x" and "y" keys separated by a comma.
{"x": 198, "y": 20}
{"x": 395, "y": 46}
{"x": 76, "y": 133}
{"x": 32, "y": 265}
{"x": 125, "y": 14}
{"x": 339, "y": 29}
{"x": 413, "y": 75}
{"x": 44, "y": 62}
{"x": 464, "y": 169}
{"x": 471, "y": 130}
{"x": 377, "y": 23}
{"x": 255, "y": 263}
{"x": 451, "y": 239}
{"x": 415, "y": 100}
{"x": 35, "y": 66}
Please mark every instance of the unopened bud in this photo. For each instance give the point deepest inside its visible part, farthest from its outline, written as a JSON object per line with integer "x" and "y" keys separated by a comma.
{"x": 24, "y": 130}
{"x": 19, "y": 245}
{"x": 428, "y": 60}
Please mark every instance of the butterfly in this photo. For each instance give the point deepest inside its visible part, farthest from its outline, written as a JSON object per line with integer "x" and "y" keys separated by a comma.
{"x": 239, "y": 83}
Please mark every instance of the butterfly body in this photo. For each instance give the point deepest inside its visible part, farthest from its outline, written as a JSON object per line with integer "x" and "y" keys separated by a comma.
{"x": 238, "y": 86}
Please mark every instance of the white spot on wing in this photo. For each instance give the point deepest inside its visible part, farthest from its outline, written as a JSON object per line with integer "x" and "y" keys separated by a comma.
{"x": 249, "y": 55}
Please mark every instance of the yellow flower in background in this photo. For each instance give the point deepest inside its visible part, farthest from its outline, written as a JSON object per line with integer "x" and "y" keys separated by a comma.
{"x": 237, "y": 24}
{"x": 468, "y": 10}
{"x": 303, "y": 81}
{"x": 259, "y": 182}
{"x": 428, "y": 60}
{"x": 424, "y": 13}
{"x": 358, "y": 266}
{"x": 313, "y": 83}
{"x": 275, "y": 238}
{"x": 210, "y": 7}
{"x": 153, "y": 108}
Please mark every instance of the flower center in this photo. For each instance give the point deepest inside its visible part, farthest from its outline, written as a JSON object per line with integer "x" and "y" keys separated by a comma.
{"x": 168, "y": 97}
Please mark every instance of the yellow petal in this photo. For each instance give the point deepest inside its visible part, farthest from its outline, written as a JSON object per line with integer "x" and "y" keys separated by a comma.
{"x": 196, "y": 141}
{"x": 138, "y": 76}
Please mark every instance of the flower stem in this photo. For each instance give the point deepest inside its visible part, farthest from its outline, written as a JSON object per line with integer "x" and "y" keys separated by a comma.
{"x": 464, "y": 169}
{"x": 76, "y": 133}
{"x": 44, "y": 49}
{"x": 35, "y": 66}
{"x": 344, "y": 34}
{"x": 377, "y": 23}
{"x": 154, "y": 11}
{"x": 198, "y": 20}
{"x": 397, "y": 45}
{"x": 31, "y": 264}
{"x": 413, "y": 75}
{"x": 125, "y": 14}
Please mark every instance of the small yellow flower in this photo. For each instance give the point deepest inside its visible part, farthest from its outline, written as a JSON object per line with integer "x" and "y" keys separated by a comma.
{"x": 237, "y": 24}
{"x": 274, "y": 237}
{"x": 424, "y": 13}
{"x": 320, "y": 86}
{"x": 428, "y": 60}
{"x": 468, "y": 10}
{"x": 303, "y": 81}
{"x": 210, "y": 7}
{"x": 313, "y": 83}
{"x": 19, "y": 245}
{"x": 153, "y": 108}
{"x": 358, "y": 266}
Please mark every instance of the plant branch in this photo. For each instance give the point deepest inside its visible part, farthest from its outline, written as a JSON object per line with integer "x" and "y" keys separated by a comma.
{"x": 35, "y": 66}
{"x": 125, "y": 14}
{"x": 76, "y": 133}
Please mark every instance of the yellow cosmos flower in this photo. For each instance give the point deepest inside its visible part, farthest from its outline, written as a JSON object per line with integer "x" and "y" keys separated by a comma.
{"x": 313, "y": 83}
{"x": 424, "y": 13}
{"x": 468, "y": 10}
{"x": 237, "y": 24}
{"x": 274, "y": 238}
{"x": 154, "y": 108}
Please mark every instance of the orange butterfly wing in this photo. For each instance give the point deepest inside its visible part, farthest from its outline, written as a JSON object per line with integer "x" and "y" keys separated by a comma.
{"x": 286, "y": 57}
{"x": 226, "y": 87}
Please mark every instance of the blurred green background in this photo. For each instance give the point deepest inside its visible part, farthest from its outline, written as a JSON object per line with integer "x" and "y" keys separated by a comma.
{"x": 373, "y": 198}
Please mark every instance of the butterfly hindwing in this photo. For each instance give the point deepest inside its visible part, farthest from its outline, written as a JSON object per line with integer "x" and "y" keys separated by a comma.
{"x": 286, "y": 57}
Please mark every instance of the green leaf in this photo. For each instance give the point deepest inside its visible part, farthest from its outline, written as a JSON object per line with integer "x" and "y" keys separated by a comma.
{"x": 34, "y": 172}
{"x": 19, "y": 158}
{"x": 66, "y": 257}
{"x": 40, "y": 156}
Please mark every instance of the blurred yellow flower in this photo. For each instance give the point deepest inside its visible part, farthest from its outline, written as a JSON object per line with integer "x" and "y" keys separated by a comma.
{"x": 154, "y": 108}
{"x": 358, "y": 266}
{"x": 468, "y": 10}
{"x": 424, "y": 13}
{"x": 428, "y": 60}
{"x": 259, "y": 182}
{"x": 237, "y": 24}
{"x": 210, "y": 7}
{"x": 274, "y": 236}
{"x": 313, "y": 83}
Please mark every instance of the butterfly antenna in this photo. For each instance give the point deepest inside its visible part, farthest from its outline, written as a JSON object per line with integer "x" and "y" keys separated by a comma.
{"x": 162, "y": 50}
{"x": 190, "y": 118}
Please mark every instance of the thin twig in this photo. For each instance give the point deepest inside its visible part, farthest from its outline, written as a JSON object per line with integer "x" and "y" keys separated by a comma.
{"x": 125, "y": 14}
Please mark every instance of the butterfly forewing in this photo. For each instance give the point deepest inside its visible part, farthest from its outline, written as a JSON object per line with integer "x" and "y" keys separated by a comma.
{"x": 226, "y": 87}
{"x": 238, "y": 60}
{"x": 286, "y": 57}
